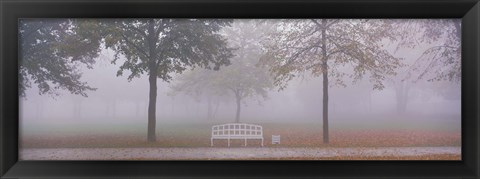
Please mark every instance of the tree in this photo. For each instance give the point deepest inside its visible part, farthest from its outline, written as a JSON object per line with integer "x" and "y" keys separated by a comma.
{"x": 50, "y": 55}
{"x": 441, "y": 61}
{"x": 200, "y": 84}
{"x": 160, "y": 47}
{"x": 323, "y": 46}
{"x": 438, "y": 62}
{"x": 243, "y": 78}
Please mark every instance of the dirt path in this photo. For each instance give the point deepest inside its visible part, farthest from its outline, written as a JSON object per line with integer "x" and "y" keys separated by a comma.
{"x": 207, "y": 153}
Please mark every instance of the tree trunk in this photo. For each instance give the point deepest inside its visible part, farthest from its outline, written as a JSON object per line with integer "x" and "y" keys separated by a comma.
{"x": 114, "y": 108}
{"x": 152, "y": 103}
{"x": 137, "y": 109}
{"x": 370, "y": 101}
{"x": 238, "y": 100}
{"x": 400, "y": 104}
{"x": 325, "y": 83}
{"x": 209, "y": 108}
{"x": 173, "y": 106}
{"x": 107, "y": 110}
{"x": 401, "y": 92}
{"x": 217, "y": 103}
{"x": 77, "y": 109}
{"x": 152, "y": 100}
{"x": 325, "y": 108}
{"x": 39, "y": 110}
{"x": 110, "y": 108}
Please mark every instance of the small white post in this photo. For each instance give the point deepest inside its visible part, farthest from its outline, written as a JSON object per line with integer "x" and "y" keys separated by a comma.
{"x": 275, "y": 139}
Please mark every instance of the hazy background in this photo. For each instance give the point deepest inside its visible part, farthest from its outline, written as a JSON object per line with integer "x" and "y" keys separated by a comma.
{"x": 118, "y": 102}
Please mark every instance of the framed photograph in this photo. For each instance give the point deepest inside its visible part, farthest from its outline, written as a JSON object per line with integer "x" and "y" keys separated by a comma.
{"x": 239, "y": 89}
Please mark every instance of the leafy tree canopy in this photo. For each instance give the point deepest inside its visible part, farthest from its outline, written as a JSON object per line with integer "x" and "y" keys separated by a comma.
{"x": 50, "y": 54}
{"x": 442, "y": 60}
{"x": 296, "y": 47}
{"x": 167, "y": 45}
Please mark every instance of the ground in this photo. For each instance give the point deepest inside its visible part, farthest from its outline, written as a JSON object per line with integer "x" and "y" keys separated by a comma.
{"x": 191, "y": 141}
{"x": 240, "y": 153}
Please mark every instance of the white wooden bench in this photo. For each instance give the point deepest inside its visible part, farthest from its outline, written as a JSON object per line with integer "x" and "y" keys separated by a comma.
{"x": 237, "y": 131}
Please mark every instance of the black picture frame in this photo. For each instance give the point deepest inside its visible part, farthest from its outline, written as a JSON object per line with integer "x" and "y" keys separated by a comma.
{"x": 12, "y": 10}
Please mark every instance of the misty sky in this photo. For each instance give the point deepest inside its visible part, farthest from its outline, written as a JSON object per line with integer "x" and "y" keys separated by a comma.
{"x": 118, "y": 100}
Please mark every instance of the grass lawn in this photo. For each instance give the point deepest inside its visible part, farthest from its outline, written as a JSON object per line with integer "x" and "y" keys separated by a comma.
{"x": 309, "y": 134}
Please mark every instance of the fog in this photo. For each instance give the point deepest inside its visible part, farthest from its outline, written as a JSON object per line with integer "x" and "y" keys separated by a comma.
{"x": 118, "y": 101}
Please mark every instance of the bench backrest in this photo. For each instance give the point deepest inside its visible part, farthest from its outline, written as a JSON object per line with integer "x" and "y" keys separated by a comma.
{"x": 237, "y": 129}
